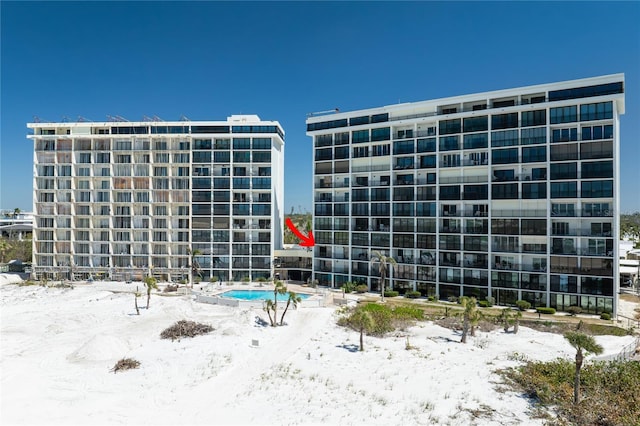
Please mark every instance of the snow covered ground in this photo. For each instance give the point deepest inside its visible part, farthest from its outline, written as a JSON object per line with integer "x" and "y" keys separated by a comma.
{"x": 58, "y": 346}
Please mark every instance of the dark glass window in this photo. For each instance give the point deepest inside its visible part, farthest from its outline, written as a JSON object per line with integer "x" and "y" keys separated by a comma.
{"x": 534, "y": 227}
{"x": 202, "y": 156}
{"x": 360, "y": 136}
{"x": 403, "y": 209}
{"x": 567, "y": 114}
{"x": 380, "y": 118}
{"x": 221, "y": 157}
{"x": 427, "y": 145}
{"x": 426, "y": 209}
{"x": 504, "y": 138}
{"x": 475, "y": 141}
{"x": 504, "y": 156}
{"x": 534, "y": 190}
{"x": 586, "y": 92}
{"x": 403, "y": 147}
{"x": 564, "y": 152}
{"x": 476, "y": 192}
{"x": 202, "y": 144}
{"x": 261, "y": 143}
{"x": 533, "y": 136}
{"x": 356, "y": 121}
{"x": 597, "y": 169}
{"x": 534, "y": 118}
{"x": 504, "y": 191}
{"x": 448, "y": 127}
{"x": 341, "y": 152}
{"x": 564, "y": 135}
{"x": 383, "y": 134}
{"x": 321, "y": 154}
{"x": 450, "y": 192}
{"x": 534, "y": 154}
{"x": 504, "y": 121}
{"x": 475, "y": 124}
{"x": 564, "y": 189}
{"x": 209, "y": 129}
{"x": 563, "y": 171}
{"x": 327, "y": 125}
{"x": 597, "y": 111}
{"x": 449, "y": 143}
{"x": 380, "y": 209}
{"x": 591, "y": 150}
{"x": 597, "y": 189}
{"x": 324, "y": 140}
{"x": 428, "y": 161}
{"x": 242, "y": 143}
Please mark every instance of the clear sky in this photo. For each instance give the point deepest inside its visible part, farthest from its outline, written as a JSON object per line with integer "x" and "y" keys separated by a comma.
{"x": 281, "y": 61}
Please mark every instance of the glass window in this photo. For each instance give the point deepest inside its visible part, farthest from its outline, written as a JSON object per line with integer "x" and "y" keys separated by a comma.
{"x": 448, "y": 127}
{"x": 533, "y": 136}
{"x": 597, "y": 189}
{"x": 504, "y": 121}
{"x": 449, "y": 143}
{"x": 475, "y": 141}
{"x": 597, "y": 169}
{"x": 534, "y": 154}
{"x": 567, "y": 114}
{"x": 382, "y": 134}
{"x": 597, "y": 111}
{"x": 564, "y": 135}
{"x": 427, "y": 145}
{"x": 504, "y": 156}
{"x": 564, "y": 189}
{"x": 505, "y": 138}
{"x": 563, "y": 171}
{"x": 475, "y": 124}
{"x": 534, "y": 190}
{"x": 360, "y": 136}
{"x": 534, "y": 118}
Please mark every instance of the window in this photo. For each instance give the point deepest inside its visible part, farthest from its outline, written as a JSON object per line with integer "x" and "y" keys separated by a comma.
{"x": 448, "y": 127}
{"x": 382, "y": 134}
{"x": 597, "y": 189}
{"x": 504, "y": 121}
{"x": 564, "y": 171}
{"x": 534, "y": 118}
{"x": 403, "y": 147}
{"x": 534, "y": 154}
{"x": 504, "y": 156}
{"x": 450, "y": 192}
{"x": 597, "y": 169}
{"x": 534, "y": 190}
{"x": 597, "y": 111}
{"x": 475, "y": 141}
{"x": 449, "y": 143}
{"x": 504, "y": 138}
{"x": 475, "y": 124}
{"x": 591, "y": 150}
{"x": 341, "y": 152}
{"x": 597, "y": 132}
{"x": 426, "y": 145}
{"x": 564, "y": 135}
{"x": 566, "y": 114}
{"x": 533, "y": 136}
{"x": 360, "y": 136}
{"x": 379, "y": 150}
{"x": 564, "y": 152}
{"x": 504, "y": 191}
{"x": 564, "y": 189}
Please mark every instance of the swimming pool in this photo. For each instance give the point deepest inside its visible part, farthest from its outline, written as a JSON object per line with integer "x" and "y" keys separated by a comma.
{"x": 257, "y": 295}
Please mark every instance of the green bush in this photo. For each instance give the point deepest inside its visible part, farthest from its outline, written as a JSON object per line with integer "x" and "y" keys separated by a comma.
{"x": 362, "y": 288}
{"x": 523, "y": 305}
{"x": 382, "y": 318}
{"x": 543, "y": 310}
{"x": 412, "y": 294}
{"x": 574, "y": 310}
{"x": 391, "y": 293}
{"x": 484, "y": 304}
{"x": 408, "y": 313}
{"x": 348, "y": 287}
{"x": 453, "y": 299}
{"x": 605, "y": 316}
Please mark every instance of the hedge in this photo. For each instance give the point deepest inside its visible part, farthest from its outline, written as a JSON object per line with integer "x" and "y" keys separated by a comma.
{"x": 543, "y": 310}
{"x": 412, "y": 294}
{"x": 391, "y": 293}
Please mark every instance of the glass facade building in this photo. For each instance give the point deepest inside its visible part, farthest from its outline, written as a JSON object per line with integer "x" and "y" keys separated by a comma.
{"x": 124, "y": 200}
{"x": 511, "y": 194}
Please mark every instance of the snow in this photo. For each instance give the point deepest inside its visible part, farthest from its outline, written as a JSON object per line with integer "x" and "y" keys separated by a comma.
{"x": 58, "y": 347}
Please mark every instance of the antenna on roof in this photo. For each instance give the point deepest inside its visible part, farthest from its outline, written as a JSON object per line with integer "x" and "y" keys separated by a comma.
{"x": 146, "y": 118}
{"x": 184, "y": 118}
{"x": 120, "y": 118}
{"x": 36, "y": 119}
{"x": 156, "y": 118}
{"x": 81, "y": 119}
{"x": 65, "y": 119}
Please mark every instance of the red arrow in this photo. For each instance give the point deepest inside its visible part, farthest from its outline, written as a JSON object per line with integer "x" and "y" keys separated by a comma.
{"x": 306, "y": 241}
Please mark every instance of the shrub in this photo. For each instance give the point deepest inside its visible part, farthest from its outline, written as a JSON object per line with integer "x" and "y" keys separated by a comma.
{"x": 491, "y": 300}
{"x": 484, "y": 304}
{"x": 523, "y": 305}
{"x": 382, "y": 318}
{"x": 125, "y": 364}
{"x": 408, "y": 312}
{"x": 185, "y": 328}
{"x": 170, "y": 288}
{"x": 412, "y": 294}
{"x": 348, "y": 287}
{"x": 391, "y": 293}
{"x": 605, "y": 316}
{"x": 362, "y": 288}
{"x": 574, "y": 310}
{"x": 213, "y": 279}
{"x": 261, "y": 280}
{"x": 432, "y": 299}
{"x": 543, "y": 310}
{"x": 453, "y": 299}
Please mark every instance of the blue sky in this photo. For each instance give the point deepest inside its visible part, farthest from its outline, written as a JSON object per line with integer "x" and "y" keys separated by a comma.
{"x": 208, "y": 60}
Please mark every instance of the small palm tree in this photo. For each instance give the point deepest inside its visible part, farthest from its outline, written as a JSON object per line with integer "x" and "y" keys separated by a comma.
{"x": 151, "y": 283}
{"x": 360, "y": 321}
{"x": 195, "y": 265}
{"x": 470, "y": 312}
{"x": 384, "y": 264}
{"x": 272, "y": 305}
{"x": 505, "y": 319}
{"x": 268, "y": 307}
{"x": 582, "y": 343}
{"x": 293, "y": 298}
{"x": 516, "y": 321}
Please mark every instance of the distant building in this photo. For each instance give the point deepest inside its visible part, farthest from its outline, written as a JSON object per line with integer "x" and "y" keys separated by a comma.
{"x": 512, "y": 194}
{"x": 16, "y": 225}
{"x": 125, "y": 199}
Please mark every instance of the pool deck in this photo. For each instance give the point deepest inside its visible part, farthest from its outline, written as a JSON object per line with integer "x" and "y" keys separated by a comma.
{"x": 212, "y": 293}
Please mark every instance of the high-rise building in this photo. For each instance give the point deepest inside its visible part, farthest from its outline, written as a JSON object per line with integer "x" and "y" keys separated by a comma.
{"x": 126, "y": 199}
{"x": 511, "y": 194}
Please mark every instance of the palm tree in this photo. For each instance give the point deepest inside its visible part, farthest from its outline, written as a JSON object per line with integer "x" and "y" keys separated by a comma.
{"x": 505, "y": 319}
{"x": 581, "y": 342}
{"x": 268, "y": 307}
{"x": 470, "y": 312}
{"x": 385, "y": 263}
{"x": 293, "y": 298}
{"x": 272, "y": 305}
{"x": 516, "y": 321}
{"x": 360, "y": 321}
{"x": 195, "y": 265}
{"x": 151, "y": 283}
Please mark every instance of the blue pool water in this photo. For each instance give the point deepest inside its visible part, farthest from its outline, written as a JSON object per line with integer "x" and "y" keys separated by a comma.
{"x": 257, "y": 295}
